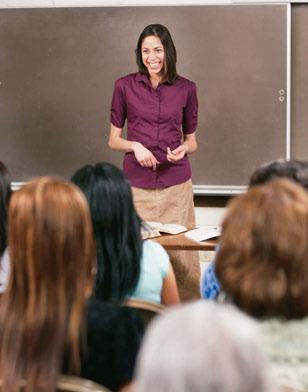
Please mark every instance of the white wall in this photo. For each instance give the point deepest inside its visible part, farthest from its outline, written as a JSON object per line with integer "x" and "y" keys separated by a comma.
{"x": 92, "y": 3}
{"x": 209, "y": 215}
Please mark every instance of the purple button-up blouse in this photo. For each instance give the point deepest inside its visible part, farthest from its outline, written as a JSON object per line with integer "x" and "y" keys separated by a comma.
{"x": 156, "y": 118}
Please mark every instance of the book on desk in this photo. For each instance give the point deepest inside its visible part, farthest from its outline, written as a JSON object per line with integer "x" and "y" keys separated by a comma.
{"x": 155, "y": 229}
{"x": 204, "y": 233}
{"x": 151, "y": 229}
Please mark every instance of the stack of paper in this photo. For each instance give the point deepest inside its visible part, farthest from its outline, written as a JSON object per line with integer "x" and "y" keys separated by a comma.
{"x": 204, "y": 233}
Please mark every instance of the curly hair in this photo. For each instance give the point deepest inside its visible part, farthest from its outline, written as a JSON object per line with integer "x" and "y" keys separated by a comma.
{"x": 263, "y": 258}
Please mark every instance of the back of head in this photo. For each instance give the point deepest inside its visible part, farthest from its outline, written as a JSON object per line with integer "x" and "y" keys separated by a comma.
{"x": 201, "y": 347}
{"x": 5, "y": 194}
{"x": 116, "y": 228}
{"x": 293, "y": 170}
{"x": 263, "y": 258}
{"x": 51, "y": 255}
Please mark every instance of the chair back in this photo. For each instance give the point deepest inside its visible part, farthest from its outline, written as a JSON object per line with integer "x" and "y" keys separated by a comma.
{"x": 70, "y": 384}
{"x": 146, "y": 309}
{"x": 77, "y": 384}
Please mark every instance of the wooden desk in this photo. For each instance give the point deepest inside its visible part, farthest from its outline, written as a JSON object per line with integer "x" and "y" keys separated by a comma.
{"x": 181, "y": 242}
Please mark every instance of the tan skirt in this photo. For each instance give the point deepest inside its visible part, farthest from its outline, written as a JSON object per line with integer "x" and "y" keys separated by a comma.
{"x": 174, "y": 204}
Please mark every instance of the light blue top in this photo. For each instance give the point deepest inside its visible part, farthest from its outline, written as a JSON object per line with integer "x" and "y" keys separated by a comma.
{"x": 154, "y": 268}
{"x": 210, "y": 285}
{"x": 4, "y": 271}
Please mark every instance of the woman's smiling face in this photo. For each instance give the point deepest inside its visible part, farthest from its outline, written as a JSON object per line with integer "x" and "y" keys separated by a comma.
{"x": 153, "y": 55}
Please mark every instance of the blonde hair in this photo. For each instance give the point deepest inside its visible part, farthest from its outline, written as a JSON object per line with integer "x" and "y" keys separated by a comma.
{"x": 51, "y": 255}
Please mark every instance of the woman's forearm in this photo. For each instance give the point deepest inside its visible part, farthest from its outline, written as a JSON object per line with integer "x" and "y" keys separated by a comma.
{"x": 143, "y": 156}
{"x": 117, "y": 142}
{"x": 190, "y": 143}
{"x": 170, "y": 294}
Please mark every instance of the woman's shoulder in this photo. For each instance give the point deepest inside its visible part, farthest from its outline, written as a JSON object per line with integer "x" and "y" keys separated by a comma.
{"x": 155, "y": 255}
{"x": 285, "y": 343}
{"x": 286, "y": 327}
{"x": 285, "y": 338}
{"x": 184, "y": 81}
{"x": 154, "y": 247}
{"x": 127, "y": 78}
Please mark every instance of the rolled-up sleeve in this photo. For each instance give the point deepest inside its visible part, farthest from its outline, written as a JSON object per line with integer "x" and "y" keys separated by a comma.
{"x": 190, "y": 114}
{"x": 118, "y": 105}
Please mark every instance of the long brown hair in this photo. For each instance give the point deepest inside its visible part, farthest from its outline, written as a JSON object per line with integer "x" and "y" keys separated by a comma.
{"x": 262, "y": 262}
{"x": 164, "y": 35}
{"x": 42, "y": 311}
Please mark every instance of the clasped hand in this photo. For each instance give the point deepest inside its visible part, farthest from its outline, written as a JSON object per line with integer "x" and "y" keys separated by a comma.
{"x": 176, "y": 154}
{"x": 146, "y": 158}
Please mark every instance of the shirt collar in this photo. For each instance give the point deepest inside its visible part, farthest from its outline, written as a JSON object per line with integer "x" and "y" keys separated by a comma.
{"x": 144, "y": 78}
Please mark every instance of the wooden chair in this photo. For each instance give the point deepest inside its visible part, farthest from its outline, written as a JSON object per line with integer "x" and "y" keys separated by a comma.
{"x": 71, "y": 384}
{"x": 146, "y": 309}
{"x": 77, "y": 384}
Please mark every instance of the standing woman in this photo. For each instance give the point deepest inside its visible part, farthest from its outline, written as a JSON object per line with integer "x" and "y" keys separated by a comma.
{"x": 161, "y": 110}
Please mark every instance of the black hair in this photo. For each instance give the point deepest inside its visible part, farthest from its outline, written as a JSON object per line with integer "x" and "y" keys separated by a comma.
{"x": 294, "y": 170}
{"x": 5, "y": 194}
{"x": 117, "y": 229}
{"x": 164, "y": 35}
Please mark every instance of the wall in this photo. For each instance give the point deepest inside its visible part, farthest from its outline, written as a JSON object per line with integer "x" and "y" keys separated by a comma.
{"x": 92, "y": 3}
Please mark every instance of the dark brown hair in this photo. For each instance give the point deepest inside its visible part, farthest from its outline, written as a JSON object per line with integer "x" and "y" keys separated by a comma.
{"x": 117, "y": 229}
{"x": 262, "y": 262}
{"x": 293, "y": 169}
{"x": 164, "y": 35}
{"x": 42, "y": 310}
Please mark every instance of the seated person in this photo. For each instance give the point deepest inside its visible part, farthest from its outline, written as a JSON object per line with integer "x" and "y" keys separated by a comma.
{"x": 202, "y": 347}
{"x": 51, "y": 253}
{"x": 210, "y": 285}
{"x": 127, "y": 266}
{"x": 294, "y": 170}
{"x": 262, "y": 265}
{"x": 5, "y": 194}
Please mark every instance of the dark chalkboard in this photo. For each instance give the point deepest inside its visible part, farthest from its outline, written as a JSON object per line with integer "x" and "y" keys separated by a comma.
{"x": 58, "y": 66}
{"x": 300, "y": 81}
